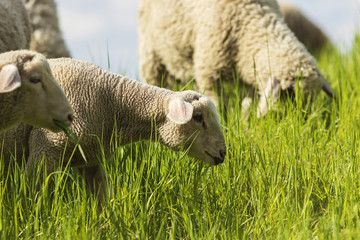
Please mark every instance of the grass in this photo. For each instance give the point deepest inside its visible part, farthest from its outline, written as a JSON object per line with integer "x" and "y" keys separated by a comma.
{"x": 294, "y": 174}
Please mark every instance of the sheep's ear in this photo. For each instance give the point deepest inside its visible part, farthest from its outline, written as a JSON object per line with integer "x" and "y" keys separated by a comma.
{"x": 269, "y": 97}
{"x": 180, "y": 112}
{"x": 9, "y": 78}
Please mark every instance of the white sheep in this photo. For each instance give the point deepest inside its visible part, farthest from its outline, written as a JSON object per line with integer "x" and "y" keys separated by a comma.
{"x": 106, "y": 104}
{"x": 15, "y": 27}
{"x": 305, "y": 30}
{"x": 46, "y": 36}
{"x": 29, "y": 92}
{"x": 209, "y": 40}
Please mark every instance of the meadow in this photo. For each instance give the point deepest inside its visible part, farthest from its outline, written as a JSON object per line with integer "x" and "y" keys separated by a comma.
{"x": 294, "y": 174}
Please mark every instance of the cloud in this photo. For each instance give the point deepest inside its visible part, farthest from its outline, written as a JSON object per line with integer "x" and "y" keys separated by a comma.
{"x": 77, "y": 24}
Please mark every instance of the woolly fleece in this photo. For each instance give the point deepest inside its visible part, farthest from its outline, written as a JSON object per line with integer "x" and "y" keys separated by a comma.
{"x": 107, "y": 104}
{"x": 205, "y": 39}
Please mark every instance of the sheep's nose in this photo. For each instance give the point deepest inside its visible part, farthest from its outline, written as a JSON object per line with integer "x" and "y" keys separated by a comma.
{"x": 223, "y": 154}
{"x": 71, "y": 118}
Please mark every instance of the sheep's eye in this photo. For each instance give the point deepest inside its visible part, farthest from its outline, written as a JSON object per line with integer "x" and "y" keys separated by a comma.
{"x": 35, "y": 80}
{"x": 198, "y": 117}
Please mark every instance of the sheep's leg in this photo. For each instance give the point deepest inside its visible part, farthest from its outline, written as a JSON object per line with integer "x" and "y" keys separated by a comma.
{"x": 151, "y": 69}
{"x": 14, "y": 144}
{"x": 99, "y": 182}
{"x": 269, "y": 97}
{"x": 248, "y": 92}
{"x": 48, "y": 147}
{"x": 245, "y": 107}
{"x": 212, "y": 66}
{"x": 211, "y": 88}
{"x": 207, "y": 78}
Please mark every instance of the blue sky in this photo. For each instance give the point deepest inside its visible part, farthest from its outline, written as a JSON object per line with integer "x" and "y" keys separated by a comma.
{"x": 90, "y": 27}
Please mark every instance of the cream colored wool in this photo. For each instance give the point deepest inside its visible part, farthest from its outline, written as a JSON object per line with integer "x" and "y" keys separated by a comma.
{"x": 29, "y": 92}
{"x": 305, "y": 30}
{"x": 46, "y": 36}
{"x": 202, "y": 39}
{"x": 107, "y": 103}
{"x": 15, "y": 27}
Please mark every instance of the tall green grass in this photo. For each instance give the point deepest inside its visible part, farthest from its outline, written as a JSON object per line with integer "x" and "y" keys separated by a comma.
{"x": 294, "y": 174}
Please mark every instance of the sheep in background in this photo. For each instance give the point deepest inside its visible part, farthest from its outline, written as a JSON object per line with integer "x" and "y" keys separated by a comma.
{"x": 103, "y": 101}
{"x": 205, "y": 39}
{"x": 46, "y": 37}
{"x": 15, "y": 27}
{"x": 306, "y": 31}
{"x": 29, "y": 93}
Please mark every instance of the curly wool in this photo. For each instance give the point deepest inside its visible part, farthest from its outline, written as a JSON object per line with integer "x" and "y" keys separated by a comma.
{"x": 205, "y": 39}
{"x": 108, "y": 105}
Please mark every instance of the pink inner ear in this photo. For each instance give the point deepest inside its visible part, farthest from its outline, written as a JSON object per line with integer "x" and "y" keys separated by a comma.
{"x": 269, "y": 96}
{"x": 9, "y": 78}
{"x": 180, "y": 112}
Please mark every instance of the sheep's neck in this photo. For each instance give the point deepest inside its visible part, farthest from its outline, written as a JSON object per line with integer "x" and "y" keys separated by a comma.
{"x": 140, "y": 109}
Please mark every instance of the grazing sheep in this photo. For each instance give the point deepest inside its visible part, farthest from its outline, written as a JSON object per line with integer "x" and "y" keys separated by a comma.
{"x": 15, "y": 27}
{"x": 305, "y": 30}
{"x": 208, "y": 39}
{"x": 107, "y": 103}
{"x": 29, "y": 93}
{"x": 46, "y": 37}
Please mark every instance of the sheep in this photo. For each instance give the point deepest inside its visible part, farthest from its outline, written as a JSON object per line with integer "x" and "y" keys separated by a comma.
{"x": 107, "y": 104}
{"x": 46, "y": 37}
{"x": 305, "y": 30}
{"x": 29, "y": 92}
{"x": 15, "y": 27}
{"x": 208, "y": 39}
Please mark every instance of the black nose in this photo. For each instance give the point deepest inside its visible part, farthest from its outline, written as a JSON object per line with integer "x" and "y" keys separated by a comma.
{"x": 71, "y": 117}
{"x": 217, "y": 160}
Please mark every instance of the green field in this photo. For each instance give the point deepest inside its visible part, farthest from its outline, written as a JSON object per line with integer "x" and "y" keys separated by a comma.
{"x": 294, "y": 174}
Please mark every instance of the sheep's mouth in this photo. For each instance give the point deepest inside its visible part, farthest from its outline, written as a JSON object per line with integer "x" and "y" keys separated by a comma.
{"x": 217, "y": 160}
{"x": 62, "y": 126}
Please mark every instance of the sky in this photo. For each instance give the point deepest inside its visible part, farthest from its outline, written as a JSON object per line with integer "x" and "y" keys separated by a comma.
{"x": 98, "y": 31}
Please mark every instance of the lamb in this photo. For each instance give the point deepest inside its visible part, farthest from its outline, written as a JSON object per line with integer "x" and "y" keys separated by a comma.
{"x": 15, "y": 27}
{"x": 46, "y": 37}
{"x": 305, "y": 30}
{"x": 208, "y": 39}
{"x": 29, "y": 92}
{"x": 107, "y": 104}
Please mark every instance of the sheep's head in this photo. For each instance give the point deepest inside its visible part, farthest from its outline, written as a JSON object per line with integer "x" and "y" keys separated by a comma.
{"x": 192, "y": 121}
{"x": 273, "y": 60}
{"x": 275, "y": 88}
{"x": 41, "y": 97}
